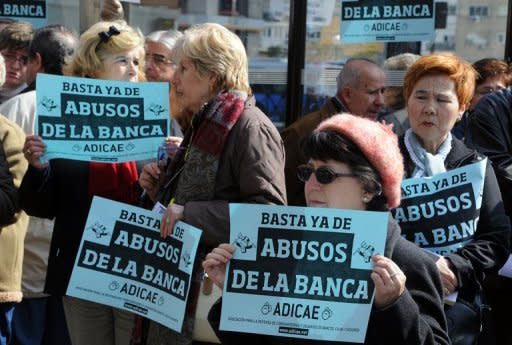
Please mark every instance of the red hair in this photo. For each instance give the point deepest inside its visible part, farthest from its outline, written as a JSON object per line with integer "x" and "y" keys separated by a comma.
{"x": 450, "y": 65}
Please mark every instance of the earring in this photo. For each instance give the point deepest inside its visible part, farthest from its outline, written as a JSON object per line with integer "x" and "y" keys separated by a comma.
{"x": 366, "y": 199}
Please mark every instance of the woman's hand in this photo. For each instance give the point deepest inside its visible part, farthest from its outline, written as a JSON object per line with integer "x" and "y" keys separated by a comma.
{"x": 33, "y": 149}
{"x": 450, "y": 283}
{"x": 172, "y": 214}
{"x": 148, "y": 179}
{"x": 171, "y": 146}
{"x": 216, "y": 261}
{"x": 389, "y": 281}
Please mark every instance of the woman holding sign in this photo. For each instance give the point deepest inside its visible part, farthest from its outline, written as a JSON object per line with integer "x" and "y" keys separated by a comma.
{"x": 451, "y": 204}
{"x": 356, "y": 164}
{"x": 63, "y": 189}
{"x": 231, "y": 151}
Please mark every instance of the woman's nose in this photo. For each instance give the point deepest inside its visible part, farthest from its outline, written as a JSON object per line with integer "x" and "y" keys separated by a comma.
{"x": 429, "y": 108}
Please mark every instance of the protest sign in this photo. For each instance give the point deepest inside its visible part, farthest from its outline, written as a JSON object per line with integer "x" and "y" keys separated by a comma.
{"x": 386, "y": 21}
{"x": 101, "y": 120}
{"x": 301, "y": 272}
{"x": 440, "y": 213}
{"x": 124, "y": 263}
{"x": 32, "y": 11}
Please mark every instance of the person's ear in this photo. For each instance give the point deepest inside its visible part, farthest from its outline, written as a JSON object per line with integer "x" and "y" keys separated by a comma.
{"x": 37, "y": 61}
{"x": 367, "y": 197}
{"x": 462, "y": 110}
{"x": 212, "y": 82}
{"x": 346, "y": 93}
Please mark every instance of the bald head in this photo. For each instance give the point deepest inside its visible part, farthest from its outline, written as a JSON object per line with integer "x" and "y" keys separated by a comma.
{"x": 361, "y": 87}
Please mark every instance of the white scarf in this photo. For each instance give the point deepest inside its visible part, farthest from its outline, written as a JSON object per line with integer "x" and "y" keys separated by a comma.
{"x": 426, "y": 164}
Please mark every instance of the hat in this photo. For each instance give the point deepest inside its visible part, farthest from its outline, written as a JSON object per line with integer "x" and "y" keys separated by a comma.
{"x": 379, "y": 145}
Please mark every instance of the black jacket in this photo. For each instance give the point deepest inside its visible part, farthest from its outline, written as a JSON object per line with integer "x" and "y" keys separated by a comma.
{"x": 489, "y": 132}
{"x": 60, "y": 193}
{"x": 489, "y": 249}
{"x": 415, "y": 318}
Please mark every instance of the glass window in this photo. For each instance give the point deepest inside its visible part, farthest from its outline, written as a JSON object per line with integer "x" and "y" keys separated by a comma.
{"x": 326, "y": 53}
{"x": 473, "y": 31}
{"x": 65, "y": 12}
{"x": 470, "y": 30}
{"x": 262, "y": 25}
{"x": 500, "y": 38}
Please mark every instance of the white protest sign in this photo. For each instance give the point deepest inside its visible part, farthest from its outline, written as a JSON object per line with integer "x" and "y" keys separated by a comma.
{"x": 123, "y": 262}
{"x": 301, "y": 272}
{"x": 440, "y": 213}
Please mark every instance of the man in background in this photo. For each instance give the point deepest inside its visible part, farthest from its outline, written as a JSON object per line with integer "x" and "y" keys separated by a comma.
{"x": 14, "y": 41}
{"x": 360, "y": 91}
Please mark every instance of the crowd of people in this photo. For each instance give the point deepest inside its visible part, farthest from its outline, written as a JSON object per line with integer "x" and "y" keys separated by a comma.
{"x": 416, "y": 117}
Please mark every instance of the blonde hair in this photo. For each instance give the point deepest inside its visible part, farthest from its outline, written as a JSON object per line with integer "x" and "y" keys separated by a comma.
{"x": 87, "y": 60}
{"x": 213, "y": 48}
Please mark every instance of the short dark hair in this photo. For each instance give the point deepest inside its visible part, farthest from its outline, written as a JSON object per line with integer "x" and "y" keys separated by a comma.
{"x": 55, "y": 44}
{"x": 325, "y": 145}
{"x": 16, "y": 35}
{"x": 491, "y": 67}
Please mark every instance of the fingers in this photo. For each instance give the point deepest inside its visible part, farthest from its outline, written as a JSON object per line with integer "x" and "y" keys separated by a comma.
{"x": 223, "y": 253}
{"x": 148, "y": 179}
{"x": 33, "y": 150}
{"x": 389, "y": 281}
{"x": 173, "y": 140}
{"x": 227, "y": 247}
{"x": 151, "y": 171}
{"x": 167, "y": 223}
{"x": 448, "y": 277}
{"x": 171, "y": 145}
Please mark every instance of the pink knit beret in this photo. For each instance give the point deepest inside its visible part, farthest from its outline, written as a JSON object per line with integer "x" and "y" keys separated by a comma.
{"x": 380, "y": 146}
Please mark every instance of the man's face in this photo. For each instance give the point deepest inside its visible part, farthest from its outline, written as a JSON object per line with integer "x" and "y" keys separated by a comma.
{"x": 159, "y": 66}
{"x": 15, "y": 66}
{"x": 366, "y": 99}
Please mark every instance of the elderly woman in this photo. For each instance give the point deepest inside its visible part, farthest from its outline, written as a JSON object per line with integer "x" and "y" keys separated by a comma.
{"x": 64, "y": 189}
{"x": 438, "y": 89}
{"x": 355, "y": 163}
{"x": 231, "y": 152}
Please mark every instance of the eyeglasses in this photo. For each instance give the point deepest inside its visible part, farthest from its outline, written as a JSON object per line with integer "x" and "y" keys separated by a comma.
{"x": 11, "y": 58}
{"x": 160, "y": 60}
{"x": 323, "y": 175}
{"x": 488, "y": 90}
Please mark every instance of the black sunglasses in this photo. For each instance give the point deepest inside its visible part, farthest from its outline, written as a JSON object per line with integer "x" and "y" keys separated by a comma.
{"x": 323, "y": 175}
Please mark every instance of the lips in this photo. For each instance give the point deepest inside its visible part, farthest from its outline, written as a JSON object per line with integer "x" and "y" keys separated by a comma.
{"x": 13, "y": 76}
{"x": 316, "y": 203}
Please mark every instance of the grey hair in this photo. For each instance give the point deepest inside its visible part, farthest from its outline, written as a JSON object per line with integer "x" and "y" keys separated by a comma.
{"x": 400, "y": 62}
{"x": 2, "y": 70}
{"x": 349, "y": 75}
{"x": 166, "y": 37}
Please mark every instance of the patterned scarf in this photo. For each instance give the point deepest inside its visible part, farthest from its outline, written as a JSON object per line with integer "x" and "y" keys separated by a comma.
{"x": 197, "y": 161}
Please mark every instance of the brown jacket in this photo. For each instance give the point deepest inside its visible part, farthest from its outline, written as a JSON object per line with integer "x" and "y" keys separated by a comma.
{"x": 12, "y": 235}
{"x": 292, "y": 137}
{"x": 251, "y": 170}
